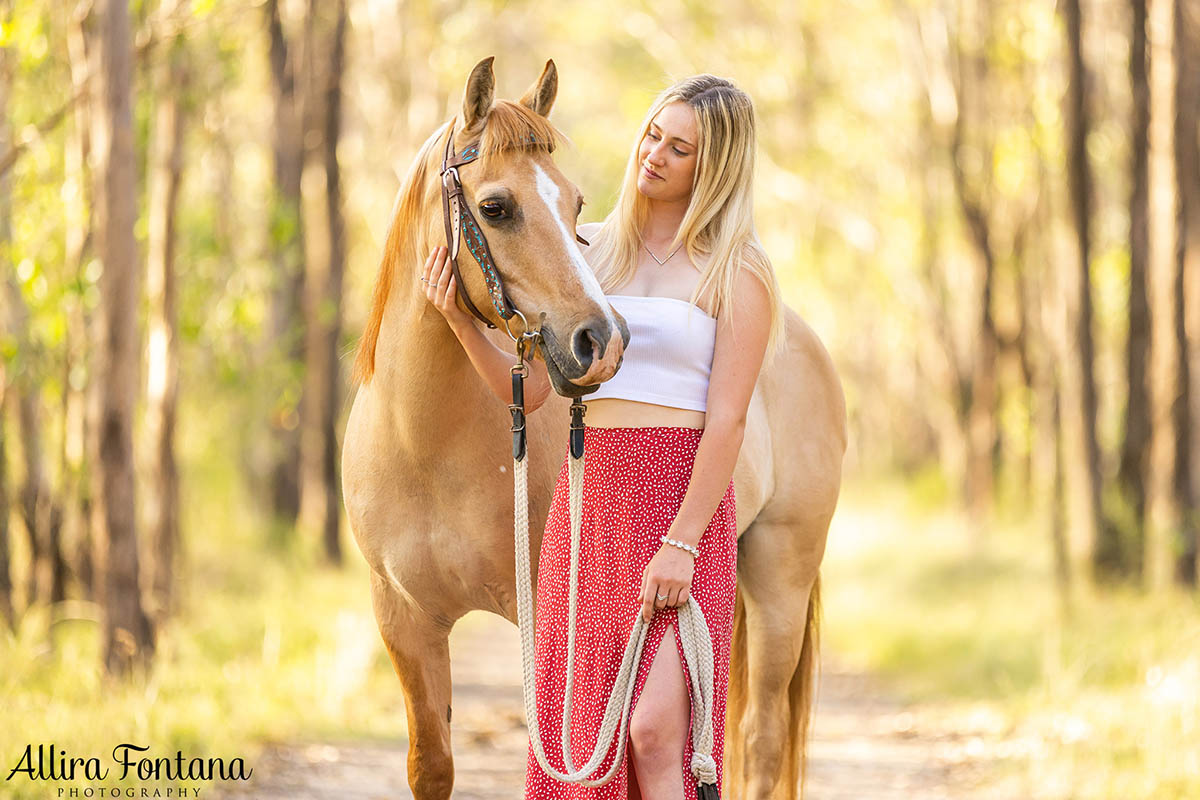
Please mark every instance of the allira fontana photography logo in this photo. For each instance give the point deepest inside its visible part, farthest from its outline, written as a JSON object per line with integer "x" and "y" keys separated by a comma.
{"x": 46, "y": 762}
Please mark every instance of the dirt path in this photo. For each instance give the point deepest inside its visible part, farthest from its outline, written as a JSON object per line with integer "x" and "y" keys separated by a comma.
{"x": 866, "y": 746}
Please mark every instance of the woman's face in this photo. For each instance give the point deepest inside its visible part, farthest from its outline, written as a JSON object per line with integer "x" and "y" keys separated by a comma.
{"x": 668, "y": 154}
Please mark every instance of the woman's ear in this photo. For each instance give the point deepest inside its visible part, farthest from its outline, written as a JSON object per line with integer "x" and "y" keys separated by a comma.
{"x": 541, "y": 94}
{"x": 477, "y": 98}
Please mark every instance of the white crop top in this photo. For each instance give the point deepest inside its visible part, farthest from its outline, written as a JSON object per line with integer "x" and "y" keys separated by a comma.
{"x": 669, "y": 357}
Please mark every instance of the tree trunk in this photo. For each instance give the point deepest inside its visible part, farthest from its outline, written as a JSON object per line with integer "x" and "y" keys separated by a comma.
{"x": 332, "y": 326}
{"x": 129, "y": 637}
{"x": 1099, "y": 536}
{"x": 162, "y": 385}
{"x": 75, "y": 457}
{"x": 40, "y": 511}
{"x": 1163, "y": 510}
{"x": 320, "y": 505}
{"x": 287, "y": 243}
{"x": 1135, "y": 446}
{"x": 6, "y": 586}
{"x": 1187, "y": 277}
{"x": 981, "y": 431}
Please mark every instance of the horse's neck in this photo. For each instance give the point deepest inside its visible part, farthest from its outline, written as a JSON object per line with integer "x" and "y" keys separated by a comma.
{"x": 420, "y": 366}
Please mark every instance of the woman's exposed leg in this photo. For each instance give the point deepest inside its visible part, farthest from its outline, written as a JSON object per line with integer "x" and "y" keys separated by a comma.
{"x": 658, "y": 729}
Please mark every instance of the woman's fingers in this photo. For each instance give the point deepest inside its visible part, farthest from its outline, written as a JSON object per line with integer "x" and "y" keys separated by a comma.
{"x": 438, "y": 277}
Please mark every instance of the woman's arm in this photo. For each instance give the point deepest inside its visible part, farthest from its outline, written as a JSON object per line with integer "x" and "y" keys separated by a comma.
{"x": 493, "y": 364}
{"x": 736, "y": 364}
{"x": 735, "y": 368}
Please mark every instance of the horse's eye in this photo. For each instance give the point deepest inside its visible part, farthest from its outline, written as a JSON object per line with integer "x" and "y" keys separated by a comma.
{"x": 492, "y": 210}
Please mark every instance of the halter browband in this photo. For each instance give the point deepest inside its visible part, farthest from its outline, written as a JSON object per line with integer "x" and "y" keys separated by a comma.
{"x": 460, "y": 224}
{"x": 459, "y": 220}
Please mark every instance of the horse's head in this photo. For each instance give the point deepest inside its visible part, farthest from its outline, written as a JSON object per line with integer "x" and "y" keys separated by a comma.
{"x": 526, "y": 210}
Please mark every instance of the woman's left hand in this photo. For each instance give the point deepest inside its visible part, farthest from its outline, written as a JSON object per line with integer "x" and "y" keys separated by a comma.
{"x": 669, "y": 573}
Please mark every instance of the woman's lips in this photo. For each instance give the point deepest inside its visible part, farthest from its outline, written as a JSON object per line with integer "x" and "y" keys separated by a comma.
{"x": 651, "y": 173}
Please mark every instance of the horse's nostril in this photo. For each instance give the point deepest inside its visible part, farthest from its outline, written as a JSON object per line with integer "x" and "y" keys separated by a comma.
{"x": 582, "y": 343}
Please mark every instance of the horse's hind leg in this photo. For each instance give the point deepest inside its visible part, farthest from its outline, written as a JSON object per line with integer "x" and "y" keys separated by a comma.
{"x": 774, "y": 637}
{"x": 420, "y": 651}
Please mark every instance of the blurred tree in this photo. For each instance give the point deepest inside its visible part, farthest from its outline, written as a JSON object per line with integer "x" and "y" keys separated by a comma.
{"x": 1135, "y": 444}
{"x": 1164, "y": 510}
{"x": 1187, "y": 282}
{"x": 286, "y": 334}
{"x": 973, "y": 130}
{"x": 41, "y": 510}
{"x": 162, "y": 385}
{"x": 1098, "y": 534}
{"x": 324, "y": 310}
{"x": 6, "y": 250}
{"x": 80, "y": 393}
{"x": 6, "y": 585}
{"x": 128, "y": 632}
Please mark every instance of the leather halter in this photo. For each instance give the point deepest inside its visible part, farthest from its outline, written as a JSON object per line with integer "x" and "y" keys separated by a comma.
{"x": 460, "y": 224}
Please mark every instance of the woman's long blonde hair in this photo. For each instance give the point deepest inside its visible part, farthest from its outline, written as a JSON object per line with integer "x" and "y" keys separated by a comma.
{"x": 719, "y": 223}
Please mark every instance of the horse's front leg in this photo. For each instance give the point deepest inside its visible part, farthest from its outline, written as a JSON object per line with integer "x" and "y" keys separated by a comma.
{"x": 420, "y": 652}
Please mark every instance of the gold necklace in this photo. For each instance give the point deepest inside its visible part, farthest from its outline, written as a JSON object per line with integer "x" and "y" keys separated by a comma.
{"x": 665, "y": 260}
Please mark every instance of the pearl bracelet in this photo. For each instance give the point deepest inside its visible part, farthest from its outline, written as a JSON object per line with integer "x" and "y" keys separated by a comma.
{"x": 695, "y": 551}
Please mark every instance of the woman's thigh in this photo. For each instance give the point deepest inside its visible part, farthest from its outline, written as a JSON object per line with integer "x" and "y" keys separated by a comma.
{"x": 663, "y": 708}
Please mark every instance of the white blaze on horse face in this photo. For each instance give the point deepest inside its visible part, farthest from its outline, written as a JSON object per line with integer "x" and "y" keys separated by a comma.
{"x": 549, "y": 192}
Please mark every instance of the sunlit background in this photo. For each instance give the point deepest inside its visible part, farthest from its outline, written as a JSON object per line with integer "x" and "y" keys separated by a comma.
{"x": 1006, "y": 273}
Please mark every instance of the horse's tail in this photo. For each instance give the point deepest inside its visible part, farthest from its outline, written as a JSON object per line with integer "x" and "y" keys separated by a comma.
{"x": 734, "y": 778}
{"x": 800, "y": 696}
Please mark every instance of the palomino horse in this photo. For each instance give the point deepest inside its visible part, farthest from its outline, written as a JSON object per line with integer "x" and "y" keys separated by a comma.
{"x": 427, "y": 454}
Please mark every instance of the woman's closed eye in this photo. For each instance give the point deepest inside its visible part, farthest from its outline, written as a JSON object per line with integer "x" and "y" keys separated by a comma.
{"x": 656, "y": 137}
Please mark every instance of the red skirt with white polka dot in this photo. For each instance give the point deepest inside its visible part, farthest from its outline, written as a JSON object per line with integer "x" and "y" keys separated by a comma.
{"x": 634, "y": 482}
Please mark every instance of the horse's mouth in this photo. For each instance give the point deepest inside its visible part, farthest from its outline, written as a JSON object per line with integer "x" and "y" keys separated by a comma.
{"x": 558, "y": 375}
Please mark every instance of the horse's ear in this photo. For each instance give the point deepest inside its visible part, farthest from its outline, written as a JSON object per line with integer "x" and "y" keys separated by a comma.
{"x": 540, "y": 96}
{"x": 477, "y": 99}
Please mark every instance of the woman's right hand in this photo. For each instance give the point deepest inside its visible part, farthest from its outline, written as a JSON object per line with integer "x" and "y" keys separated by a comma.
{"x": 440, "y": 288}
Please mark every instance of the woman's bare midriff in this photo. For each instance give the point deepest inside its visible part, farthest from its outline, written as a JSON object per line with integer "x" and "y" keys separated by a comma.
{"x": 616, "y": 412}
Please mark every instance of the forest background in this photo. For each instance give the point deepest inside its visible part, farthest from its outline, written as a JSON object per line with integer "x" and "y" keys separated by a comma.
{"x": 989, "y": 211}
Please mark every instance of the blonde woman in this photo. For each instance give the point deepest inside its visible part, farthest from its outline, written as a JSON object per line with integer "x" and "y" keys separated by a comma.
{"x": 679, "y": 258}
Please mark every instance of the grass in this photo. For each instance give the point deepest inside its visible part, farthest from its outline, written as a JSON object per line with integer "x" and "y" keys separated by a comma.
{"x": 1098, "y": 701}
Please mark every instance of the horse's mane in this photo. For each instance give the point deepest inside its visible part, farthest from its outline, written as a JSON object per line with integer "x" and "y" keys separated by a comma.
{"x": 509, "y": 126}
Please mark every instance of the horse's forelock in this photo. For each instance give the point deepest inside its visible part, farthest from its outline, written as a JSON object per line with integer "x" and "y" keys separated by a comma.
{"x": 512, "y": 126}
